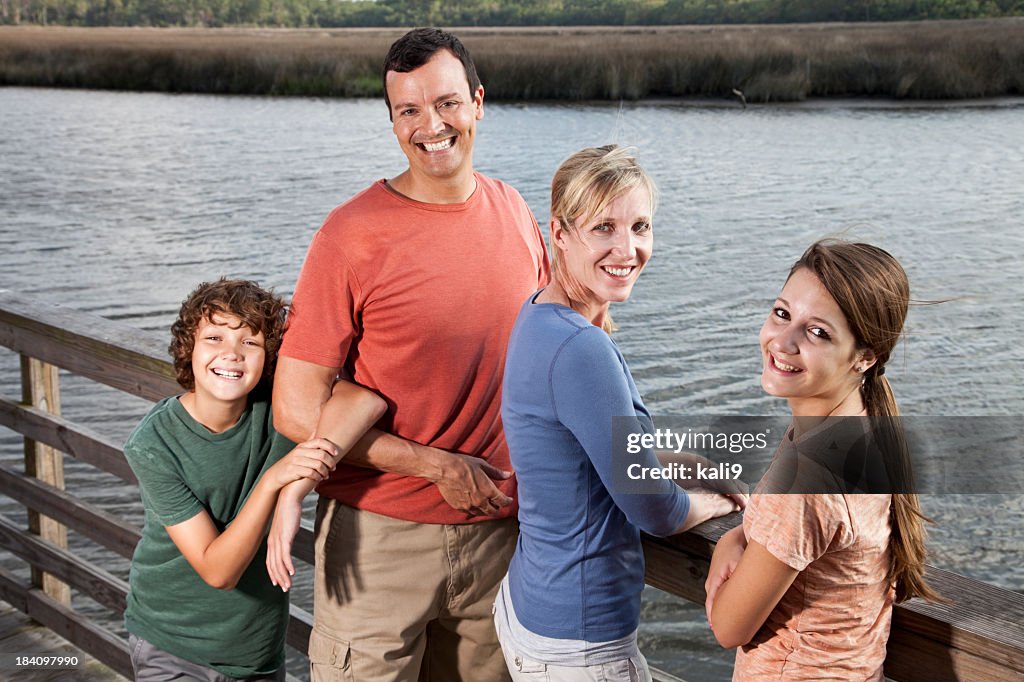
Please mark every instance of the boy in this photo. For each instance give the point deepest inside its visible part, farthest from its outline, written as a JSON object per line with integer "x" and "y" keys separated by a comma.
{"x": 210, "y": 466}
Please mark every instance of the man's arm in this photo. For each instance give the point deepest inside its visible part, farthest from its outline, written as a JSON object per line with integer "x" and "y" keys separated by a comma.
{"x": 301, "y": 389}
{"x": 344, "y": 419}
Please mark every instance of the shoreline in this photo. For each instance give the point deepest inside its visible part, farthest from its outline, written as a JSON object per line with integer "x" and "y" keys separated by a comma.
{"x": 901, "y": 61}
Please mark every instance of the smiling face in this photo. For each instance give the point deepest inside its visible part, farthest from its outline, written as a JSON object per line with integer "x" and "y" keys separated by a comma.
{"x": 809, "y": 353}
{"x": 227, "y": 361}
{"x": 605, "y": 254}
{"x": 434, "y": 117}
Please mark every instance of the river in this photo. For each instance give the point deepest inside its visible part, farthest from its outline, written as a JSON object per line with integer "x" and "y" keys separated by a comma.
{"x": 119, "y": 203}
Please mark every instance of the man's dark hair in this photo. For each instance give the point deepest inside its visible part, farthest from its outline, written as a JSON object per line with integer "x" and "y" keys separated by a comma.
{"x": 415, "y": 49}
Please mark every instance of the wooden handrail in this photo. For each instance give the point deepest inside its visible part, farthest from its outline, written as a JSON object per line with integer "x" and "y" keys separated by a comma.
{"x": 107, "y": 351}
{"x": 979, "y": 636}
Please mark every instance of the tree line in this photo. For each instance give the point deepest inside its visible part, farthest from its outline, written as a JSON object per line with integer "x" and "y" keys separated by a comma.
{"x": 385, "y": 13}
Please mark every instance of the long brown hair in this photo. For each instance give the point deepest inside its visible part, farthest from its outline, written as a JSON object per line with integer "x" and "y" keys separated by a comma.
{"x": 872, "y": 290}
{"x": 584, "y": 184}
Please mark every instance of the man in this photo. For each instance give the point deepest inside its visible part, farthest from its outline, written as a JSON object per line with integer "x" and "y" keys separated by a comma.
{"x": 411, "y": 289}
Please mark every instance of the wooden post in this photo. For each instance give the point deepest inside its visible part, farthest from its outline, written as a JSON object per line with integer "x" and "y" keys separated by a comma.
{"x": 40, "y": 389}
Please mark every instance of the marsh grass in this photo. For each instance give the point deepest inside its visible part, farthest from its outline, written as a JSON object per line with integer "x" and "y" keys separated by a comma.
{"x": 227, "y": 61}
{"x": 776, "y": 63}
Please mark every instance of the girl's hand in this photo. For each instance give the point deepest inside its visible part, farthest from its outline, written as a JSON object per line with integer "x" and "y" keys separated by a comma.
{"x": 726, "y": 557}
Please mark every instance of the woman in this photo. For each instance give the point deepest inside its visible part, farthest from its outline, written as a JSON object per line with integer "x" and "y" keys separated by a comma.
{"x": 569, "y": 607}
{"x": 805, "y": 586}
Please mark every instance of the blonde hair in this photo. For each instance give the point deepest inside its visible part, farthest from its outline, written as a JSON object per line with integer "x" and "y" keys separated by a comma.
{"x": 872, "y": 290}
{"x": 582, "y": 187}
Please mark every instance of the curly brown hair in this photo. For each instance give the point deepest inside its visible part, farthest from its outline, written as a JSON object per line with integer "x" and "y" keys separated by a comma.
{"x": 259, "y": 309}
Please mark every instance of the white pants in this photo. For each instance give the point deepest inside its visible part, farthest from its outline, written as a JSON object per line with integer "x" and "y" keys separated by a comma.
{"x": 523, "y": 669}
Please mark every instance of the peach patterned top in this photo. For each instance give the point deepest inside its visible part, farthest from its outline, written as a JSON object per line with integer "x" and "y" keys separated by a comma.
{"x": 833, "y": 622}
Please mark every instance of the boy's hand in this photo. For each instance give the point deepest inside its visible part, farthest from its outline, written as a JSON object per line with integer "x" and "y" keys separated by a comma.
{"x": 285, "y": 526}
{"x": 314, "y": 460}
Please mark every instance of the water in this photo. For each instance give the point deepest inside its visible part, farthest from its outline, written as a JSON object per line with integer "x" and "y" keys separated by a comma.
{"x": 118, "y": 204}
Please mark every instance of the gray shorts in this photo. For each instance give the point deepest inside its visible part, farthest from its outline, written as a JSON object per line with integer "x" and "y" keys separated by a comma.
{"x": 156, "y": 665}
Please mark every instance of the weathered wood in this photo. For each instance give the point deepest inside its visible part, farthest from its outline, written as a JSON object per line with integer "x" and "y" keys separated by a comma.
{"x": 80, "y": 631}
{"x": 107, "y": 351}
{"x": 980, "y": 636}
{"x": 982, "y": 619}
{"x": 98, "y": 584}
{"x": 40, "y": 389}
{"x": 19, "y": 634}
{"x": 910, "y": 656}
{"x": 675, "y": 572}
{"x": 300, "y": 625}
{"x": 303, "y": 548}
{"x": 82, "y": 517}
{"x": 679, "y": 564}
{"x": 13, "y": 591}
{"x": 78, "y": 441}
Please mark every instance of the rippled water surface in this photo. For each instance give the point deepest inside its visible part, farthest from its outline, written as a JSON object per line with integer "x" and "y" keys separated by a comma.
{"x": 119, "y": 204}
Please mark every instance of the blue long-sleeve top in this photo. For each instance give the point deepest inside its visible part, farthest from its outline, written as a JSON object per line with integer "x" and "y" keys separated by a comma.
{"x": 578, "y": 568}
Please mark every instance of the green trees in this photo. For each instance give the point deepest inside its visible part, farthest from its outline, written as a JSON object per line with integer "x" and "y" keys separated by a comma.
{"x": 299, "y": 13}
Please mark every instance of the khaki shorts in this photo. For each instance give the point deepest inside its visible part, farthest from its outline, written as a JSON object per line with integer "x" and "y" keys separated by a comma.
{"x": 400, "y": 601}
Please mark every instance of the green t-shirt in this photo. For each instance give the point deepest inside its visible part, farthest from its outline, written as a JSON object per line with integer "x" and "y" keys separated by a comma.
{"x": 183, "y": 469}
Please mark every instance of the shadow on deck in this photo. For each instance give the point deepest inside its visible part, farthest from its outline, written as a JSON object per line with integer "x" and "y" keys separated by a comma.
{"x": 21, "y": 636}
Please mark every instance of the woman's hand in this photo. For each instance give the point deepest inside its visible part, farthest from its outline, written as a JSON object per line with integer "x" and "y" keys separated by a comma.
{"x": 313, "y": 460}
{"x": 726, "y": 557}
{"x": 706, "y": 505}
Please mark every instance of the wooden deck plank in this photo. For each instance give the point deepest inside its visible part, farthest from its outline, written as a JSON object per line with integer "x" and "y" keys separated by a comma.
{"x": 20, "y": 635}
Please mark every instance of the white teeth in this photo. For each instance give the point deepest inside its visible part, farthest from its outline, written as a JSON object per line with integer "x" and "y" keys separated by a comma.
{"x": 438, "y": 146}
{"x": 783, "y": 366}
{"x": 618, "y": 272}
{"x": 227, "y": 373}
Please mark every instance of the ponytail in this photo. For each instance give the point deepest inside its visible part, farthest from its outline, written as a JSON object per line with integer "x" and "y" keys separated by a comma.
{"x": 907, "y": 540}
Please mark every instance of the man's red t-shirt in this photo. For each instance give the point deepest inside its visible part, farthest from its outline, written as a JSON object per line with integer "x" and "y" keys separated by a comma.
{"x": 416, "y": 302}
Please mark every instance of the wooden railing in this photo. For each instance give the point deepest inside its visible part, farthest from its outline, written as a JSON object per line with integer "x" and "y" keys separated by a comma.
{"x": 979, "y": 636}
